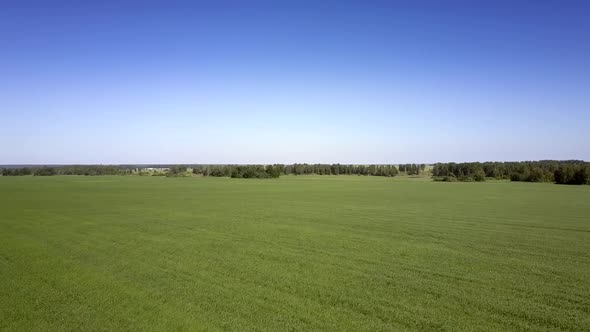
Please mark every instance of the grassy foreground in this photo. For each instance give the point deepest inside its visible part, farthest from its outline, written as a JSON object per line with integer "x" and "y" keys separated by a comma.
{"x": 297, "y": 253}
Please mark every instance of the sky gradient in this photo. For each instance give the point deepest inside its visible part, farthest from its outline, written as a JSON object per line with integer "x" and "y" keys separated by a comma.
{"x": 302, "y": 81}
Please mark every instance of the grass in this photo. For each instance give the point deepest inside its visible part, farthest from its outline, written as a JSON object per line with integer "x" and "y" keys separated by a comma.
{"x": 297, "y": 253}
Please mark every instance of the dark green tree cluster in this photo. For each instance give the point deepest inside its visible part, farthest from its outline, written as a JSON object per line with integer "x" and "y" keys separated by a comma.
{"x": 295, "y": 169}
{"x": 458, "y": 172}
{"x": 67, "y": 170}
{"x": 573, "y": 174}
{"x": 214, "y": 170}
{"x": 240, "y": 171}
{"x": 92, "y": 170}
{"x": 412, "y": 169}
{"x": 339, "y": 169}
{"x": 256, "y": 172}
{"x": 176, "y": 171}
{"x": 563, "y": 172}
{"x": 17, "y": 171}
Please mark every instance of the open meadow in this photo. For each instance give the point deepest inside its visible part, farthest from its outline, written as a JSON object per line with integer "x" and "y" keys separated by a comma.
{"x": 295, "y": 253}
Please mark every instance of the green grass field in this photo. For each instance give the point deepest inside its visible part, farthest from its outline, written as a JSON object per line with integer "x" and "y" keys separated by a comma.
{"x": 298, "y": 253}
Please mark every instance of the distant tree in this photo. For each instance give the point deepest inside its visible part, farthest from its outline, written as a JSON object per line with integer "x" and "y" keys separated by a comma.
{"x": 531, "y": 171}
{"x": 273, "y": 171}
{"x": 573, "y": 174}
{"x": 44, "y": 171}
{"x": 479, "y": 175}
{"x": 177, "y": 169}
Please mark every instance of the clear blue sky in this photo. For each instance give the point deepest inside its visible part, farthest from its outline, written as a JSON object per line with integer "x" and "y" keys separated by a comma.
{"x": 300, "y": 81}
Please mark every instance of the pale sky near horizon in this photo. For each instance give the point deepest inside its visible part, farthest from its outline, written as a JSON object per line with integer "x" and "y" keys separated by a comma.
{"x": 295, "y": 81}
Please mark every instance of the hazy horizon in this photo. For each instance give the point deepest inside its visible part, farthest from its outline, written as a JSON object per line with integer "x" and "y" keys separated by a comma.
{"x": 213, "y": 164}
{"x": 261, "y": 82}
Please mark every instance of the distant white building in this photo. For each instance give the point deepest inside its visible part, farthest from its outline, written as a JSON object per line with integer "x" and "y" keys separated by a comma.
{"x": 156, "y": 169}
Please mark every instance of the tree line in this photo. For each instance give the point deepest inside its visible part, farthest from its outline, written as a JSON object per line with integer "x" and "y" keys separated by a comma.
{"x": 239, "y": 171}
{"x": 234, "y": 171}
{"x": 561, "y": 172}
{"x": 67, "y": 170}
{"x": 412, "y": 169}
{"x": 341, "y": 169}
{"x": 276, "y": 170}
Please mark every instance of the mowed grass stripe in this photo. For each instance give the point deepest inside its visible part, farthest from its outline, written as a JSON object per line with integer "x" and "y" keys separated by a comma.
{"x": 302, "y": 253}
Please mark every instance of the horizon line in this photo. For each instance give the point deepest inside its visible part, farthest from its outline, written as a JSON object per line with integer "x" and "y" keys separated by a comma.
{"x": 276, "y": 163}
